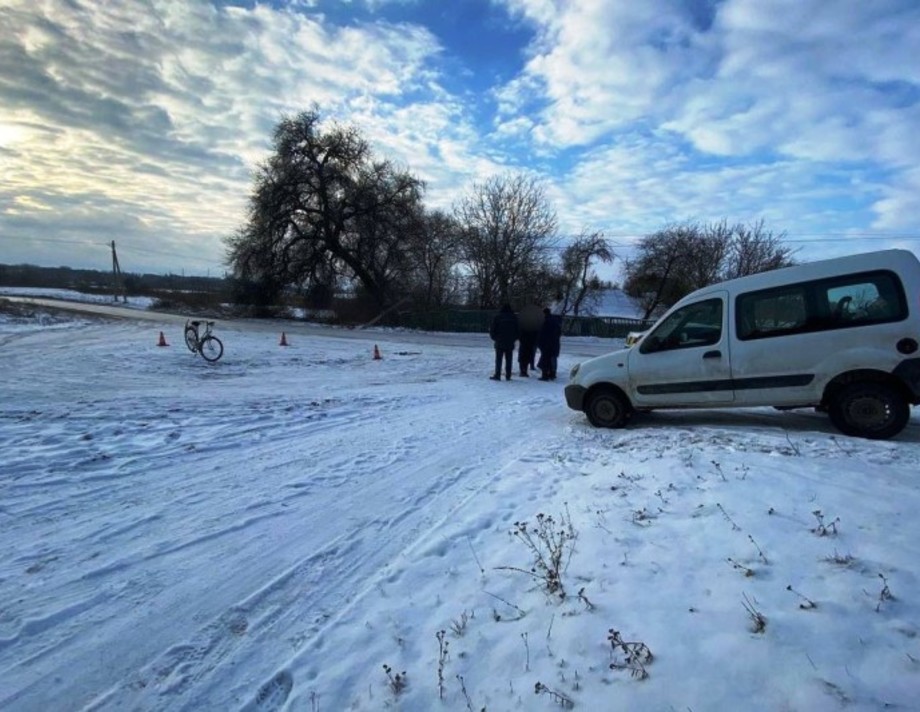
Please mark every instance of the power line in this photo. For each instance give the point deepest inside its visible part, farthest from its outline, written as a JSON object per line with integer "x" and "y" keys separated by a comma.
{"x": 124, "y": 246}
{"x": 161, "y": 253}
{"x": 200, "y": 263}
{"x": 67, "y": 242}
{"x": 824, "y": 238}
{"x": 827, "y": 237}
{"x": 855, "y": 236}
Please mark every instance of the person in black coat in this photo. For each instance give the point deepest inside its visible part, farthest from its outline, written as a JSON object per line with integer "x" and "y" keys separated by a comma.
{"x": 504, "y": 332}
{"x": 549, "y": 343}
{"x": 530, "y": 319}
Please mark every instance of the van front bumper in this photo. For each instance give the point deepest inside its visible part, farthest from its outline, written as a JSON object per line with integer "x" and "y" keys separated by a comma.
{"x": 575, "y": 396}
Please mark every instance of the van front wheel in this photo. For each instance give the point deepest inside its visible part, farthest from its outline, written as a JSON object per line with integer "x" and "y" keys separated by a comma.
{"x": 607, "y": 409}
{"x": 869, "y": 410}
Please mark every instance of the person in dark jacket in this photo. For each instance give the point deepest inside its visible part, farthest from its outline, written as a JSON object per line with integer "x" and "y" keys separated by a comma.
{"x": 504, "y": 332}
{"x": 530, "y": 319}
{"x": 549, "y": 342}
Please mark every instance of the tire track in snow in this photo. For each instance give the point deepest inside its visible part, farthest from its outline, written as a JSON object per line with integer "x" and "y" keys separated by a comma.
{"x": 420, "y": 537}
{"x": 79, "y": 504}
{"x": 301, "y": 601}
{"x": 312, "y": 648}
{"x": 182, "y": 666}
{"x": 309, "y": 469}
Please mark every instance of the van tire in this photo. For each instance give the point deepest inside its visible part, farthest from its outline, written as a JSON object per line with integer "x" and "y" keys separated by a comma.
{"x": 869, "y": 409}
{"x": 607, "y": 408}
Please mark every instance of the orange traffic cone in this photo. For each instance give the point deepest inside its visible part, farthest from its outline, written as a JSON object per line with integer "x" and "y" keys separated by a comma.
{"x": 162, "y": 341}
{"x": 283, "y": 341}
{"x": 377, "y": 355}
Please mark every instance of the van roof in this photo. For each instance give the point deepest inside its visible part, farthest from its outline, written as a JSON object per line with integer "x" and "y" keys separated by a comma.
{"x": 879, "y": 259}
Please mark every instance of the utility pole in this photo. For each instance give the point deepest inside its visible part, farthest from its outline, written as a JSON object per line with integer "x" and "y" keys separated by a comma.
{"x": 118, "y": 283}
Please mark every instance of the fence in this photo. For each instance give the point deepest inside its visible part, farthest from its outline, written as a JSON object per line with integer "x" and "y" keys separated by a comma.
{"x": 463, "y": 320}
{"x": 607, "y": 327}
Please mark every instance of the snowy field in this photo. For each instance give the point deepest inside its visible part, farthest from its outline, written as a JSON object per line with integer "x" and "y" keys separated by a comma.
{"x": 306, "y": 528}
{"x": 75, "y": 296}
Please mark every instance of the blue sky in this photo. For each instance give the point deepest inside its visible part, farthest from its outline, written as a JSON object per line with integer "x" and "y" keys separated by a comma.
{"x": 140, "y": 121}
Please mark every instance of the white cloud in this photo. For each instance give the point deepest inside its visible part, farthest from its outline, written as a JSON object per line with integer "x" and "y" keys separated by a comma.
{"x": 898, "y": 209}
{"x": 603, "y": 65}
{"x": 434, "y": 140}
{"x": 147, "y": 115}
{"x": 377, "y": 4}
{"x": 802, "y": 79}
{"x": 764, "y": 71}
{"x": 815, "y": 87}
{"x": 139, "y": 106}
{"x": 639, "y": 183}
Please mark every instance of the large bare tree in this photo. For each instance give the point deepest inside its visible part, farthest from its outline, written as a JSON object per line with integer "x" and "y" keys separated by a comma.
{"x": 323, "y": 208}
{"x": 507, "y": 229}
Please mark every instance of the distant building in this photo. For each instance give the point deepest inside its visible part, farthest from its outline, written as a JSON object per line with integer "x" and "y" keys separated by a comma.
{"x": 614, "y": 302}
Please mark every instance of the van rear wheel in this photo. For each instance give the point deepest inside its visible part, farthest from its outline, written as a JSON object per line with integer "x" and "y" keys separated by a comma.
{"x": 607, "y": 409}
{"x": 869, "y": 410}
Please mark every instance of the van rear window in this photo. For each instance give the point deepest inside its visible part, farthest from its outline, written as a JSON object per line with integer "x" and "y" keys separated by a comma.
{"x": 821, "y": 305}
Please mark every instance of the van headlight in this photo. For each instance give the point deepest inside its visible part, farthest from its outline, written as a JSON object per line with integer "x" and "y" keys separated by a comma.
{"x": 574, "y": 371}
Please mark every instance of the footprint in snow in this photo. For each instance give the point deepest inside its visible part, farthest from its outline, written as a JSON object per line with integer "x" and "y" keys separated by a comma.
{"x": 273, "y": 694}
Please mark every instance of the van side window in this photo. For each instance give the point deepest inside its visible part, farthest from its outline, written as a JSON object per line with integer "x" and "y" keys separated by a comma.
{"x": 821, "y": 305}
{"x": 864, "y": 302}
{"x": 698, "y": 324}
{"x": 779, "y": 311}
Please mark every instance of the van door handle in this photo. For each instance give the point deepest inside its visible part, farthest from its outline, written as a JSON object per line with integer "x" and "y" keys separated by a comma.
{"x": 712, "y": 354}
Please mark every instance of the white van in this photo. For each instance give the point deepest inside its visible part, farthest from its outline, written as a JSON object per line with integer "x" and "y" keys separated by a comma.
{"x": 840, "y": 335}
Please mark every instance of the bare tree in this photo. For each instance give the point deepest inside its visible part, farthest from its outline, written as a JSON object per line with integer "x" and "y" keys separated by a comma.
{"x": 434, "y": 250}
{"x": 581, "y": 287}
{"x": 507, "y": 227}
{"x": 754, "y": 249}
{"x": 682, "y": 258}
{"x": 322, "y": 208}
{"x": 671, "y": 263}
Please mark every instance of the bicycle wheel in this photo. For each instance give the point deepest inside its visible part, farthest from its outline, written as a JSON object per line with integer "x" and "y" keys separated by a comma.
{"x": 211, "y": 348}
{"x": 191, "y": 339}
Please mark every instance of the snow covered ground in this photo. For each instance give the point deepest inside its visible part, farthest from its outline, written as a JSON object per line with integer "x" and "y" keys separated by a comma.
{"x": 282, "y": 528}
{"x": 75, "y": 296}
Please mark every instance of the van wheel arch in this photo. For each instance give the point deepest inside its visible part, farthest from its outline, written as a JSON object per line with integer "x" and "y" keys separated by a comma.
{"x": 868, "y": 404}
{"x": 607, "y": 406}
{"x": 834, "y": 386}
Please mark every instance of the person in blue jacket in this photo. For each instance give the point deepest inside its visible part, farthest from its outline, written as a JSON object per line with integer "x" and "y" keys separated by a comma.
{"x": 504, "y": 332}
{"x": 549, "y": 343}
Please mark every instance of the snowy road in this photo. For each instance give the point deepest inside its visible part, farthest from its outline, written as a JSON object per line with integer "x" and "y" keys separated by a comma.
{"x": 259, "y": 496}
{"x": 584, "y": 347}
{"x": 186, "y": 536}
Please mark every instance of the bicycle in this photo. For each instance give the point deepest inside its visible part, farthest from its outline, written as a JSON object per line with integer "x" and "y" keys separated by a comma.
{"x": 209, "y": 346}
